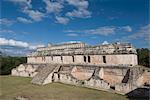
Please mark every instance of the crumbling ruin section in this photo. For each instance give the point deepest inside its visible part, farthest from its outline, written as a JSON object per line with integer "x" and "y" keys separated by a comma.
{"x": 109, "y": 67}
{"x": 26, "y": 70}
{"x": 80, "y": 53}
{"x": 119, "y": 79}
{"x": 44, "y": 76}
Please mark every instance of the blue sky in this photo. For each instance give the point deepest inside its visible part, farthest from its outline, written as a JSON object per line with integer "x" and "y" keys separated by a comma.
{"x": 28, "y": 24}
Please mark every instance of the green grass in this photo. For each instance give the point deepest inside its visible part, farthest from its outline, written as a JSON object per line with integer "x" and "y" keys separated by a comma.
{"x": 12, "y": 87}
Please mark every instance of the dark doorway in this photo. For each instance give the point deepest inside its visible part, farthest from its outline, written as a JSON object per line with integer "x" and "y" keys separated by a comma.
{"x": 104, "y": 59}
{"x": 73, "y": 58}
{"x": 84, "y": 58}
{"x": 89, "y": 59}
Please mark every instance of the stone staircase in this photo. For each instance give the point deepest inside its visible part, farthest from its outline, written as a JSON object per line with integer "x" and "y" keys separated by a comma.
{"x": 135, "y": 73}
{"x": 43, "y": 74}
{"x": 126, "y": 77}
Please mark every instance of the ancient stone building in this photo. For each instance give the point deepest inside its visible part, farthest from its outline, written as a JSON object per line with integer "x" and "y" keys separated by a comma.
{"x": 80, "y": 53}
{"x": 110, "y": 67}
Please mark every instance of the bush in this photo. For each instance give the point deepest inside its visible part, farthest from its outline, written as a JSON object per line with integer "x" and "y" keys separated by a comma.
{"x": 8, "y": 63}
{"x": 143, "y": 57}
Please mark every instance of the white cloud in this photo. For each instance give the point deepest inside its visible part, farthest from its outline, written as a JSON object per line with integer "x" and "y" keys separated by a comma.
{"x": 53, "y": 7}
{"x": 126, "y": 28}
{"x": 24, "y": 3}
{"x": 104, "y": 30}
{"x": 80, "y": 4}
{"x": 16, "y": 43}
{"x": 81, "y": 11}
{"x": 70, "y": 31}
{"x": 105, "y": 42}
{"x": 6, "y": 22}
{"x": 62, "y": 20}
{"x": 26, "y": 8}
{"x": 72, "y": 34}
{"x": 7, "y": 31}
{"x": 143, "y": 32}
{"x": 12, "y": 42}
{"x": 34, "y": 14}
{"x": 24, "y": 20}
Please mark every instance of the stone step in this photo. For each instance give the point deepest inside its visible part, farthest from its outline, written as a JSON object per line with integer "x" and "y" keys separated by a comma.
{"x": 135, "y": 73}
{"x": 40, "y": 77}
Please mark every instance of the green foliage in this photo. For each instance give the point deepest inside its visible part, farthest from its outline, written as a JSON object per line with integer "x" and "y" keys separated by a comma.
{"x": 8, "y": 63}
{"x": 143, "y": 56}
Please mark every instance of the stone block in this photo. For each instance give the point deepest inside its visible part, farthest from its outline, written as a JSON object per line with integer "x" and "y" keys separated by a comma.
{"x": 29, "y": 68}
{"x": 21, "y": 67}
{"x": 24, "y": 74}
{"x": 33, "y": 74}
{"x": 14, "y": 72}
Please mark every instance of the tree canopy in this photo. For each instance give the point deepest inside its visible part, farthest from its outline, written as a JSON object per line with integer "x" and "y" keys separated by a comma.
{"x": 7, "y": 63}
{"x": 143, "y": 57}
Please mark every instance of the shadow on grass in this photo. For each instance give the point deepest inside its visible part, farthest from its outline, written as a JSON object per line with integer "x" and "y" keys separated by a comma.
{"x": 139, "y": 94}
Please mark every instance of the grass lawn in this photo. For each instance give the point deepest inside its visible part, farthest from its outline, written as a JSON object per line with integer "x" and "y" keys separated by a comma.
{"x": 11, "y": 87}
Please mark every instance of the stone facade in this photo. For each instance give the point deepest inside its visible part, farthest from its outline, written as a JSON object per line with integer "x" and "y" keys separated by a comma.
{"x": 79, "y": 53}
{"x": 111, "y": 67}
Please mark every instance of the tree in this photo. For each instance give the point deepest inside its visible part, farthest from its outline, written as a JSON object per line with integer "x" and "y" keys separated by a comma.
{"x": 143, "y": 56}
{"x": 8, "y": 63}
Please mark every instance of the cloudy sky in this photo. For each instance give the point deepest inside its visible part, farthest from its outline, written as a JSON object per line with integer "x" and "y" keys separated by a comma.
{"x": 27, "y": 24}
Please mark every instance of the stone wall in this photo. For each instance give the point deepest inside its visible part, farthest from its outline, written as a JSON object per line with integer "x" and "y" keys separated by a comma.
{"x": 67, "y": 59}
{"x": 25, "y": 70}
{"x": 114, "y": 75}
{"x": 124, "y": 88}
{"x": 63, "y": 46}
{"x": 92, "y": 83}
{"x": 119, "y": 78}
{"x": 124, "y": 59}
{"x": 79, "y": 59}
{"x": 144, "y": 79}
{"x": 97, "y": 84}
{"x": 81, "y": 74}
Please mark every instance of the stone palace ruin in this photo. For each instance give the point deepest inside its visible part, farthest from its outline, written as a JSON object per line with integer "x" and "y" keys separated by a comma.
{"x": 109, "y": 67}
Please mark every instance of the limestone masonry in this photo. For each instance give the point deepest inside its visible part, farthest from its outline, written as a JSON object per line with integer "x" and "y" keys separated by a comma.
{"x": 109, "y": 67}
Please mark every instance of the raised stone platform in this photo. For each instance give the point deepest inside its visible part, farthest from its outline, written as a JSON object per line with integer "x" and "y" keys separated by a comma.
{"x": 120, "y": 79}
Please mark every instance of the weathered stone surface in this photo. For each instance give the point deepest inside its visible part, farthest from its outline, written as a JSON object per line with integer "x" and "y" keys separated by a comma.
{"x": 44, "y": 76}
{"x": 21, "y": 67}
{"x": 33, "y": 74}
{"x": 124, "y": 59}
{"x": 101, "y": 73}
{"x": 125, "y": 87}
{"x": 14, "y": 72}
{"x": 81, "y": 74}
{"x": 97, "y": 84}
{"x": 24, "y": 74}
{"x": 123, "y": 79}
{"x": 29, "y": 68}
